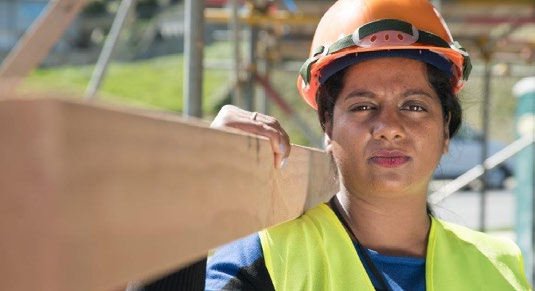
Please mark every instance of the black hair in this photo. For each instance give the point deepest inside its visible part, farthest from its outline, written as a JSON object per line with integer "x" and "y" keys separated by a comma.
{"x": 451, "y": 106}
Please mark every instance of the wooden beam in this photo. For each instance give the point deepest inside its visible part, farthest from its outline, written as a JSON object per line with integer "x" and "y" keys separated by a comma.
{"x": 35, "y": 44}
{"x": 93, "y": 197}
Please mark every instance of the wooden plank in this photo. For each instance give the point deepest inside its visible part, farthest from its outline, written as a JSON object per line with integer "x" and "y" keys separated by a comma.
{"x": 93, "y": 197}
{"x": 35, "y": 44}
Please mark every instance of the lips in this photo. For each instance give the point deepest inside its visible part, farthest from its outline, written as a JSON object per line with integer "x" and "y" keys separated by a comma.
{"x": 389, "y": 158}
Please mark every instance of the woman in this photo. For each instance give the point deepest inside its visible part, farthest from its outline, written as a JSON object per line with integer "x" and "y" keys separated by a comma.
{"x": 383, "y": 76}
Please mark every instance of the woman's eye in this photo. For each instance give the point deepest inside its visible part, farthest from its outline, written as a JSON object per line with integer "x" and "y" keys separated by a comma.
{"x": 413, "y": 107}
{"x": 361, "y": 108}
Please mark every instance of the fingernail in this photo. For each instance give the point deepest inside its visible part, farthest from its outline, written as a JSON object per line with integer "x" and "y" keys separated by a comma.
{"x": 282, "y": 148}
{"x": 283, "y": 164}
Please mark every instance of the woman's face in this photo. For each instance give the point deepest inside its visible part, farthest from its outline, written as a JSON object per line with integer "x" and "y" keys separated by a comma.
{"x": 387, "y": 132}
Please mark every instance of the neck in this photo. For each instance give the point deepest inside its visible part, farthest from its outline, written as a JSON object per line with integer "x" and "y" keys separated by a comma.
{"x": 390, "y": 226}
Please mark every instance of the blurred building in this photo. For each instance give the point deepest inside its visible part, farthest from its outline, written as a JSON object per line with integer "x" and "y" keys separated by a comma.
{"x": 15, "y": 17}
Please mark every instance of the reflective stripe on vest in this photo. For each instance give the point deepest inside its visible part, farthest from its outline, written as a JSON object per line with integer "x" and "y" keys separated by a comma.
{"x": 314, "y": 252}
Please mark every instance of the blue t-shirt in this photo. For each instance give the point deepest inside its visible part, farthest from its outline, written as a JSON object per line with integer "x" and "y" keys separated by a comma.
{"x": 240, "y": 265}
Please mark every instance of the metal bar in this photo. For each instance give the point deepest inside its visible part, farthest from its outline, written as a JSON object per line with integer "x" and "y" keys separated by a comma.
{"x": 477, "y": 171}
{"x": 315, "y": 140}
{"x": 496, "y": 20}
{"x": 193, "y": 57}
{"x": 252, "y": 68}
{"x": 217, "y": 15}
{"x": 107, "y": 50}
{"x": 237, "y": 98}
{"x": 264, "y": 68}
{"x": 484, "y": 143}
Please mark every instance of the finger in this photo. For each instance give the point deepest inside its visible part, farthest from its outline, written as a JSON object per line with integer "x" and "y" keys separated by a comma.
{"x": 281, "y": 156}
{"x": 229, "y": 115}
{"x": 279, "y": 146}
{"x": 259, "y": 124}
{"x": 280, "y": 141}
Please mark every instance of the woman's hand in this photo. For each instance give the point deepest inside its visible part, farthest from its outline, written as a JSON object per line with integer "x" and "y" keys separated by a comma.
{"x": 256, "y": 123}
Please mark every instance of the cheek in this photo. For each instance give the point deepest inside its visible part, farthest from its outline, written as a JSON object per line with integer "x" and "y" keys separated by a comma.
{"x": 345, "y": 146}
{"x": 348, "y": 135}
{"x": 439, "y": 145}
{"x": 429, "y": 136}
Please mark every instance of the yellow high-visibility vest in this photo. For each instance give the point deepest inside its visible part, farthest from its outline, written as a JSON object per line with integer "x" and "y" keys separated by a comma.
{"x": 314, "y": 252}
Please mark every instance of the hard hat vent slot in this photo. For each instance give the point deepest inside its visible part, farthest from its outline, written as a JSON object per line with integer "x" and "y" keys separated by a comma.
{"x": 385, "y": 38}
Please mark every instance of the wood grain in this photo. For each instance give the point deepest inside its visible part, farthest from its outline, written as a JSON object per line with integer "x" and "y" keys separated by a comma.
{"x": 92, "y": 197}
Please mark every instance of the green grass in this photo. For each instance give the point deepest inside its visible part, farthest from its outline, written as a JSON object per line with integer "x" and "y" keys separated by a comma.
{"x": 158, "y": 84}
{"x": 154, "y": 83}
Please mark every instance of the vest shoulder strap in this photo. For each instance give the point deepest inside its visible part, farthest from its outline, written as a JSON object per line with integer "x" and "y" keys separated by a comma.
{"x": 459, "y": 258}
{"x": 313, "y": 252}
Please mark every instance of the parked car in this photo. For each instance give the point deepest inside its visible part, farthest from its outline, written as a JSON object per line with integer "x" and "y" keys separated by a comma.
{"x": 220, "y": 3}
{"x": 465, "y": 153}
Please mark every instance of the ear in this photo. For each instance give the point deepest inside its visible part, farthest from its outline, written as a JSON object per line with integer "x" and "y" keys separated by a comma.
{"x": 327, "y": 141}
{"x": 447, "y": 135}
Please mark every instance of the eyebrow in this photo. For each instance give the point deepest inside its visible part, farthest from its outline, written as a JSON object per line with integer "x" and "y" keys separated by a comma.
{"x": 417, "y": 92}
{"x": 359, "y": 93}
{"x": 369, "y": 94}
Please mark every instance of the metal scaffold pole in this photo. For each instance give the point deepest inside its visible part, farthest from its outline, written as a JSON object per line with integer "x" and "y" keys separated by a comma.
{"x": 101, "y": 67}
{"x": 193, "y": 57}
{"x": 251, "y": 70}
{"x": 237, "y": 97}
{"x": 484, "y": 143}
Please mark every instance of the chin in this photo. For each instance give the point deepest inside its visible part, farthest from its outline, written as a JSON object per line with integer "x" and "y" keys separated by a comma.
{"x": 392, "y": 185}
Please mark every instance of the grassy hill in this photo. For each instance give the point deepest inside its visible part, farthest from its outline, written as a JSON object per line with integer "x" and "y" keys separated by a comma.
{"x": 157, "y": 83}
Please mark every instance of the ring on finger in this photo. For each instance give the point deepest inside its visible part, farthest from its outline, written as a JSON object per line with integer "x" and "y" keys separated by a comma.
{"x": 254, "y": 115}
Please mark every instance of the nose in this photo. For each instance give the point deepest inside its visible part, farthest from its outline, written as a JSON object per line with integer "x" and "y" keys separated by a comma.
{"x": 387, "y": 125}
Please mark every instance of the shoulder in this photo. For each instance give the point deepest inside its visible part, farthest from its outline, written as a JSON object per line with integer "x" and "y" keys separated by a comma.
{"x": 314, "y": 217}
{"x": 238, "y": 265}
{"x": 482, "y": 241}
{"x": 458, "y": 253}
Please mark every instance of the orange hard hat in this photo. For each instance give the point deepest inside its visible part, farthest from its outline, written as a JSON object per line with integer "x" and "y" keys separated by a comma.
{"x": 355, "y": 30}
